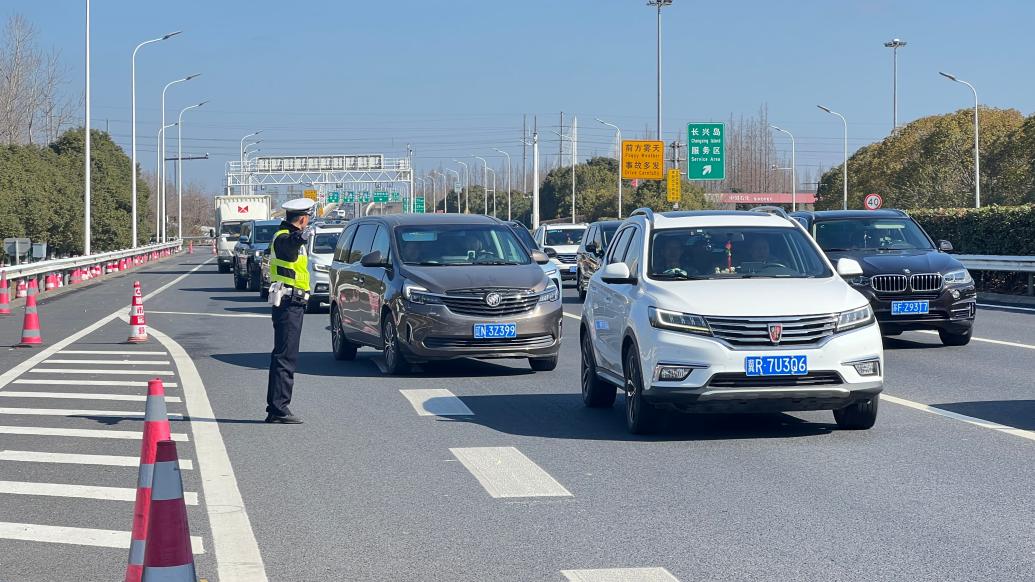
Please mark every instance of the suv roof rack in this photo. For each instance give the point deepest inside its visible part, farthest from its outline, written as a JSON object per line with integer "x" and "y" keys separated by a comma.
{"x": 644, "y": 212}
{"x": 771, "y": 210}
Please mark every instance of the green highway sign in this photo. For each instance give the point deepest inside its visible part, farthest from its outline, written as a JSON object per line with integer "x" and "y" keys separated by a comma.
{"x": 380, "y": 196}
{"x": 418, "y": 204}
{"x": 393, "y": 197}
{"x": 364, "y": 197}
{"x": 333, "y": 197}
{"x": 350, "y": 197}
{"x": 706, "y": 151}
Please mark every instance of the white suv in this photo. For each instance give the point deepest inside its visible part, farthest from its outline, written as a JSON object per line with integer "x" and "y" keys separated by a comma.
{"x": 563, "y": 240}
{"x": 727, "y": 312}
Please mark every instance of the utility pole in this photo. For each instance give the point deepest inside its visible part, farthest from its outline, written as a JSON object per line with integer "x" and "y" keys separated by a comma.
{"x": 676, "y": 146}
{"x": 524, "y": 153}
{"x": 894, "y": 44}
{"x": 535, "y": 173}
{"x": 659, "y": 4}
{"x": 560, "y": 144}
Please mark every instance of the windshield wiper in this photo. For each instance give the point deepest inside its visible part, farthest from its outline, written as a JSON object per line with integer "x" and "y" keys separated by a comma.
{"x": 836, "y": 250}
{"x": 495, "y": 262}
{"x": 678, "y": 276}
{"x": 425, "y": 263}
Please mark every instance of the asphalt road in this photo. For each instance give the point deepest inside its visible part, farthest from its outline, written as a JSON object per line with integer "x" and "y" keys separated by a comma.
{"x": 530, "y": 483}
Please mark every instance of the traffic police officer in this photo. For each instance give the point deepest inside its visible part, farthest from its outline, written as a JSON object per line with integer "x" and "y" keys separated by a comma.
{"x": 289, "y": 273}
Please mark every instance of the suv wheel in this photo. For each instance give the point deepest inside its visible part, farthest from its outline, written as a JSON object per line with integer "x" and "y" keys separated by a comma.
{"x": 254, "y": 280}
{"x": 579, "y": 286}
{"x": 954, "y": 339}
{"x": 239, "y": 282}
{"x": 343, "y": 349}
{"x": 264, "y": 293}
{"x": 395, "y": 360}
{"x": 596, "y": 393}
{"x": 224, "y": 268}
{"x": 859, "y": 415}
{"x": 640, "y": 416}
{"x": 543, "y": 364}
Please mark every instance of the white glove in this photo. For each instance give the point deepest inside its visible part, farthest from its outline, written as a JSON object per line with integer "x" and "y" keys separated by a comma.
{"x": 307, "y": 232}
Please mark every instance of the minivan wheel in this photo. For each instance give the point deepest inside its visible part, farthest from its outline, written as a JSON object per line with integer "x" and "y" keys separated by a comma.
{"x": 596, "y": 393}
{"x": 859, "y": 415}
{"x": 395, "y": 360}
{"x": 579, "y": 286}
{"x": 640, "y": 416}
{"x": 543, "y": 364}
{"x": 342, "y": 348}
{"x": 954, "y": 339}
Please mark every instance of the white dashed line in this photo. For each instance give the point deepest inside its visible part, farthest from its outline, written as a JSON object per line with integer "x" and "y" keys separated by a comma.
{"x": 76, "y": 536}
{"x": 620, "y": 575}
{"x": 506, "y": 472}
{"x": 436, "y": 402}
{"x": 990, "y": 341}
{"x": 79, "y": 491}
{"x": 89, "y": 433}
{"x": 82, "y": 396}
{"x": 76, "y": 459}
{"x": 992, "y": 306}
{"x": 1025, "y": 434}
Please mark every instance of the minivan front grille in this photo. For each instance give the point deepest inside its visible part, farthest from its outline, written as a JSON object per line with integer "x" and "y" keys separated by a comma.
{"x": 926, "y": 282}
{"x": 888, "y": 283}
{"x": 567, "y": 259}
{"x": 472, "y": 301}
{"x": 519, "y": 343}
{"x": 747, "y": 332}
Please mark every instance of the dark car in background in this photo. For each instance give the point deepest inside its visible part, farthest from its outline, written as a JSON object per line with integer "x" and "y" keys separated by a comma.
{"x": 247, "y": 259}
{"x": 427, "y": 287}
{"x": 591, "y": 252}
{"x": 911, "y": 282}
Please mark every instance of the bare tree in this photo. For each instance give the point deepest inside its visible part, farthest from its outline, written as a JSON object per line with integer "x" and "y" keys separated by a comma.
{"x": 33, "y": 106}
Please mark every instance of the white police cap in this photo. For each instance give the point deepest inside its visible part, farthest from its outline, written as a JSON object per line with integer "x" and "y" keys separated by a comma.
{"x": 299, "y": 206}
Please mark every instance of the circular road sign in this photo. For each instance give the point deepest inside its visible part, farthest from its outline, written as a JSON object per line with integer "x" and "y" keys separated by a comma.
{"x": 873, "y": 202}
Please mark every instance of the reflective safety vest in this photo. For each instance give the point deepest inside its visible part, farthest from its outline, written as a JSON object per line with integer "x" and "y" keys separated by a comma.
{"x": 295, "y": 273}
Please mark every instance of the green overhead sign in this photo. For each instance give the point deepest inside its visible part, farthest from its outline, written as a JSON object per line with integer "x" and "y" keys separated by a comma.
{"x": 418, "y": 204}
{"x": 706, "y": 151}
{"x": 380, "y": 196}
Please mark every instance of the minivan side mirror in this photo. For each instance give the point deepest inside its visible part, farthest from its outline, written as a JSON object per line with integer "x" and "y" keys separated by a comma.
{"x": 374, "y": 259}
{"x": 591, "y": 247}
{"x": 849, "y": 268}
{"x": 550, "y": 252}
{"x": 617, "y": 274}
{"x": 944, "y": 246}
{"x": 540, "y": 257}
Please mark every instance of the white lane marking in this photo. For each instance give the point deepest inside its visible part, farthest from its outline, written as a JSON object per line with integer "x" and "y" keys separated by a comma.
{"x": 111, "y": 353}
{"x": 620, "y": 575}
{"x": 436, "y": 402}
{"x": 80, "y": 491}
{"x": 111, "y": 362}
{"x": 1025, "y": 434}
{"x": 101, "y": 372}
{"x": 989, "y": 341}
{"x": 573, "y": 316}
{"x": 90, "y": 382}
{"x": 76, "y": 536}
{"x": 81, "y": 396}
{"x": 993, "y": 306}
{"x": 89, "y": 433}
{"x": 506, "y": 472}
{"x": 21, "y": 368}
{"x": 210, "y": 314}
{"x": 77, "y": 412}
{"x": 77, "y": 459}
{"x": 233, "y": 541}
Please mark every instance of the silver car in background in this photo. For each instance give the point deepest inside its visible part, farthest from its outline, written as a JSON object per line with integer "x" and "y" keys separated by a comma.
{"x": 321, "y": 253}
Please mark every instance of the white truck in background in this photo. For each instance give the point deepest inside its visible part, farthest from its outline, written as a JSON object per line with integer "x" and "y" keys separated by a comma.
{"x": 231, "y": 211}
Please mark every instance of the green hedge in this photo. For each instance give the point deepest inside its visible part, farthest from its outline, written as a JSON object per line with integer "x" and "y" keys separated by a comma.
{"x": 993, "y": 230}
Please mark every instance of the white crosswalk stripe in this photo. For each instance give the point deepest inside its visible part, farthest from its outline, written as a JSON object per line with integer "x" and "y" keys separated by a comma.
{"x": 90, "y": 433}
{"x": 79, "y": 491}
{"x": 506, "y": 472}
{"x": 112, "y": 353}
{"x": 77, "y": 536}
{"x": 83, "y": 396}
{"x": 113, "y": 362}
{"x": 46, "y": 382}
{"x": 436, "y": 402}
{"x": 77, "y": 412}
{"x": 99, "y": 372}
{"x": 76, "y": 459}
{"x": 620, "y": 575}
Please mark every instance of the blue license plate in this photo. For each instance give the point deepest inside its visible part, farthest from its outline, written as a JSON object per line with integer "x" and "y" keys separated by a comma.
{"x": 495, "y": 330}
{"x": 910, "y": 307}
{"x": 573, "y": 269}
{"x": 776, "y": 365}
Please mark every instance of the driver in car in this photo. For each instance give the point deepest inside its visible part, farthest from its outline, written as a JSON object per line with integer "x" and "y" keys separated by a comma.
{"x": 759, "y": 251}
{"x": 670, "y": 259}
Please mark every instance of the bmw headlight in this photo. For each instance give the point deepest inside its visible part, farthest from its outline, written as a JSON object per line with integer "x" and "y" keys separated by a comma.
{"x": 551, "y": 294}
{"x": 847, "y": 320}
{"x": 419, "y": 295}
{"x": 320, "y": 267}
{"x": 861, "y": 280}
{"x": 960, "y": 277}
{"x": 676, "y": 321}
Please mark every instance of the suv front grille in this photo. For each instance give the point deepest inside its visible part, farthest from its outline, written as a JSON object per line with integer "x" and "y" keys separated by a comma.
{"x": 926, "y": 282}
{"x": 740, "y": 380}
{"x": 888, "y": 283}
{"x": 520, "y": 343}
{"x": 567, "y": 259}
{"x": 745, "y": 332}
{"x": 472, "y": 301}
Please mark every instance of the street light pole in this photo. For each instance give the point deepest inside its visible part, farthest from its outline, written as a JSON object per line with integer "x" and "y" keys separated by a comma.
{"x": 485, "y": 182}
{"x": 794, "y": 183}
{"x": 894, "y": 44}
{"x": 254, "y": 133}
{"x": 86, "y": 148}
{"x": 510, "y": 172}
{"x": 179, "y": 168}
{"x": 618, "y": 148}
{"x": 161, "y": 146}
{"x": 493, "y": 172}
{"x": 133, "y": 128}
{"x": 659, "y": 4}
{"x": 535, "y": 173}
{"x": 445, "y": 190}
{"x": 828, "y": 110}
{"x": 467, "y": 189}
{"x": 159, "y": 202}
{"x": 977, "y": 156}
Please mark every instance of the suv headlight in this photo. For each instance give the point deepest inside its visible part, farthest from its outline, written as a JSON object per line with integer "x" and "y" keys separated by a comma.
{"x": 320, "y": 267}
{"x": 258, "y": 253}
{"x": 960, "y": 277}
{"x": 419, "y": 295}
{"x": 551, "y": 294}
{"x": 847, "y": 320}
{"x": 676, "y": 321}
{"x": 861, "y": 280}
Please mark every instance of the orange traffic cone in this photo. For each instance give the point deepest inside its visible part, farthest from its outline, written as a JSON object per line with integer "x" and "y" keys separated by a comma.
{"x": 21, "y": 289}
{"x": 5, "y": 297}
{"x": 137, "y": 324}
{"x": 190, "y": 248}
{"x": 167, "y": 552}
{"x": 31, "y": 324}
{"x": 156, "y": 428}
{"x": 50, "y": 284}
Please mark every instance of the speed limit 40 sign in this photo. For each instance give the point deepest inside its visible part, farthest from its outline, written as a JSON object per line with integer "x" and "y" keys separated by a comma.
{"x": 873, "y": 201}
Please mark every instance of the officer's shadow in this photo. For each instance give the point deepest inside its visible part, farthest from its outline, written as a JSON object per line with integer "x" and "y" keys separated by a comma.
{"x": 370, "y": 364}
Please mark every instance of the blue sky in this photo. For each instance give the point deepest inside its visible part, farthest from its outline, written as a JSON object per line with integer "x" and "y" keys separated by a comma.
{"x": 454, "y": 77}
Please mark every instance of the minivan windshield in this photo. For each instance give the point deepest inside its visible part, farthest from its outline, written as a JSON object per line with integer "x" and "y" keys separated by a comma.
{"x": 873, "y": 234}
{"x": 524, "y": 236}
{"x": 564, "y": 237}
{"x": 459, "y": 244}
{"x": 734, "y": 253}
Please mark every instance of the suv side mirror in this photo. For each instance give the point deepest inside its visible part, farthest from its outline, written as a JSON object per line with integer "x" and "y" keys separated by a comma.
{"x": 591, "y": 247}
{"x": 540, "y": 257}
{"x": 616, "y": 273}
{"x": 550, "y": 252}
{"x": 944, "y": 246}
{"x": 374, "y": 259}
{"x": 849, "y": 268}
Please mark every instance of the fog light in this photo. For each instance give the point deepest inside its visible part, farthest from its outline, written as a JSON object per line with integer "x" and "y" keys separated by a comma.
{"x": 955, "y": 294}
{"x": 868, "y": 368}
{"x": 673, "y": 373}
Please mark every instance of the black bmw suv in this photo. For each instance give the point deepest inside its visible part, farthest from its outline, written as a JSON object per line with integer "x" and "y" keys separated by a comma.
{"x": 911, "y": 283}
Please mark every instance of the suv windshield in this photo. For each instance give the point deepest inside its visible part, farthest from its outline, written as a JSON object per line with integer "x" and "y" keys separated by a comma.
{"x": 734, "y": 253}
{"x": 566, "y": 236}
{"x": 324, "y": 242}
{"x": 455, "y": 244}
{"x": 875, "y": 234}
{"x": 264, "y": 234}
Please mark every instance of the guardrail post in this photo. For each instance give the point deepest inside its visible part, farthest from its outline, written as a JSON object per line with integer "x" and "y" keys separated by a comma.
{"x": 1031, "y": 284}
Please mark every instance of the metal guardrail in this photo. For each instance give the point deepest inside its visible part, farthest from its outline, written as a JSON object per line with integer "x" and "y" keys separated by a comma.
{"x": 67, "y": 264}
{"x": 1008, "y": 263}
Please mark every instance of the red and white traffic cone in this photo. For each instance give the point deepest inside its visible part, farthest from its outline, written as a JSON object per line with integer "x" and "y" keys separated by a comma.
{"x": 31, "y": 324}
{"x": 167, "y": 551}
{"x": 213, "y": 247}
{"x": 137, "y": 323}
{"x": 49, "y": 283}
{"x": 156, "y": 428}
{"x": 190, "y": 248}
{"x": 5, "y": 295}
{"x": 21, "y": 289}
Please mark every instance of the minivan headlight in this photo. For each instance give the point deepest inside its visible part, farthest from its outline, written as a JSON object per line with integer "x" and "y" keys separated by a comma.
{"x": 677, "y": 321}
{"x": 419, "y": 295}
{"x": 847, "y": 320}
{"x": 551, "y": 294}
{"x": 960, "y": 277}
